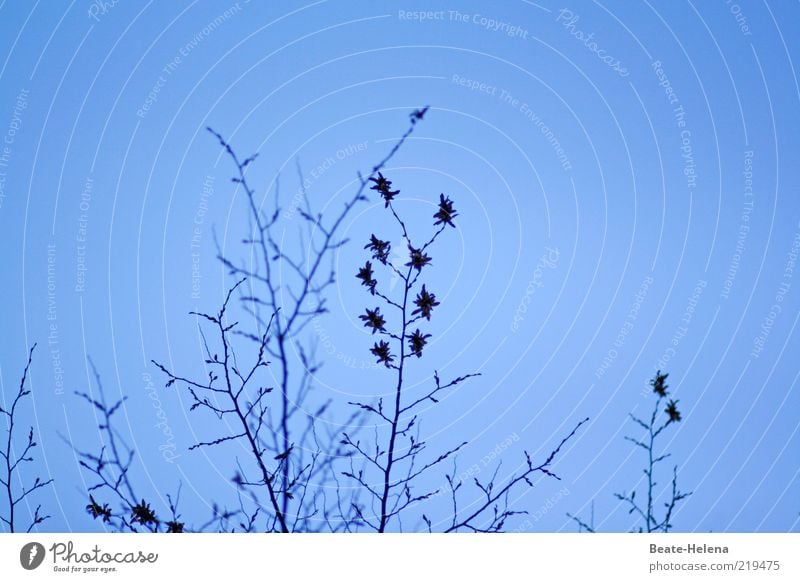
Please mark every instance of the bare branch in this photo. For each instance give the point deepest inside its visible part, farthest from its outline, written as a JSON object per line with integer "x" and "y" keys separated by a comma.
{"x": 12, "y": 460}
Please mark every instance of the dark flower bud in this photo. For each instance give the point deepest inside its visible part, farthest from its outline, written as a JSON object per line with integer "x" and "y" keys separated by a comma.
{"x": 373, "y": 319}
{"x": 381, "y": 351}
{"x": 96, "y": 510}
{"x": 418, "y": 114}
{"x": 383, "y": 186}
{"x": 143, "y": 513}
{"x": 380, "y": 249}
{"x": 417, "y": 341}
{"x": 446, "y": 212}
{"x": 659, "y": 383}
{"x": 418, "y": 258}
{"x": 672, "y": 411}
{"x": 425, "y": 303}
{"x": 365, "y": 274}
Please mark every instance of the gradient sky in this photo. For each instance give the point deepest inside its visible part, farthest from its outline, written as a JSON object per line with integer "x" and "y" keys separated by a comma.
{"x": 629, "y": 197}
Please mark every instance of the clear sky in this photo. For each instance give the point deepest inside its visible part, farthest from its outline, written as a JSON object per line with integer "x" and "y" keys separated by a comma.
{"x": 627, "y": 185}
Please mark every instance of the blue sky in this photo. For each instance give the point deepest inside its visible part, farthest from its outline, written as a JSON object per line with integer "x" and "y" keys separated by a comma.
{"x": 627, "y": 195}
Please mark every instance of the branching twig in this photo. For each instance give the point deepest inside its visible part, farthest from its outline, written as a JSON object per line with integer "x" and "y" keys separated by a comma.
{"x": 233, "y": 388}
{"x": 493, "y": 497}
{"x": 653, "y": 428}
{"x": 396, "y": 455}
{"x": 12, "y": 460}
{"x": 111, "y": 471}
{"x": 305, "y": 285}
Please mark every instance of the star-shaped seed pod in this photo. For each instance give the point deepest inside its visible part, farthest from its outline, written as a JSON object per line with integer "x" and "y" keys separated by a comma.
{"x": 446, "y": 212}
{"x": 373, "y": 319}
{"x": 380, "y": 249}
{"x": 417, "y": 341}
{"x": 672, "y": 411}
{"x": 381, "y": 351}
{"x": 365, "y": 274}
{"x": 418, "y": 259}
{"x": 384, "y": 187}
{"x": 425, "y": 303}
